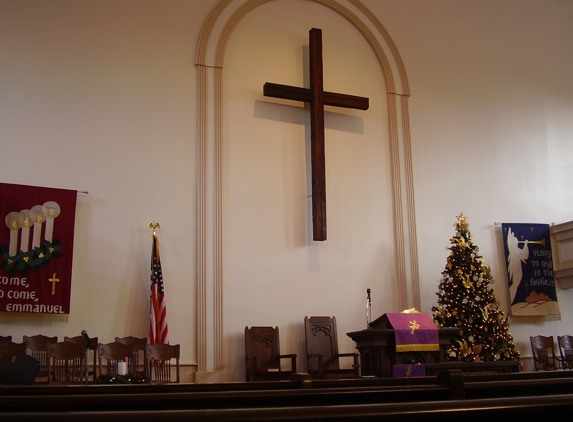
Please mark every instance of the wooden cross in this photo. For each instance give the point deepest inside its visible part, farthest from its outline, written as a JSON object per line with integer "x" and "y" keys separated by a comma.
{"x": 317, "y": 98}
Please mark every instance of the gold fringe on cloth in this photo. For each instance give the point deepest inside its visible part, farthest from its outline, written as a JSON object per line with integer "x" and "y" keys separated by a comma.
{"x": 417, "y": 347}
{"x": 536, "y": 318}
{"x": 26, "y": 317}
{"x": 543, "y": 310}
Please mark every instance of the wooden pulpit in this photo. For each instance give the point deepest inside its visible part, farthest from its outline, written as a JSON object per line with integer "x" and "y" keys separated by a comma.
{"x": 377, "y": 347}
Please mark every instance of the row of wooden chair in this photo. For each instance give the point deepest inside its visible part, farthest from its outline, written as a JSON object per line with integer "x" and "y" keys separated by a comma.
{"x": 66, "y": 361}
{"x": 264, "y": 360}
{"x": 544, "y": 356}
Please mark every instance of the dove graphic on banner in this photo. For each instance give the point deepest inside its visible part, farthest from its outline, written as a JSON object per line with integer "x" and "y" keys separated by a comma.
{"x": 529, "y": 263}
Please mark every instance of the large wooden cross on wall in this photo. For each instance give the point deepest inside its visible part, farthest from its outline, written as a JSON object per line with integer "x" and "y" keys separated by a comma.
{"x": 317, "y": 98}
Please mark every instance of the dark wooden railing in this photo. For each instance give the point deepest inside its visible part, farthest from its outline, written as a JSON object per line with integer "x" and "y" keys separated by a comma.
{"x": 449, "y": 396}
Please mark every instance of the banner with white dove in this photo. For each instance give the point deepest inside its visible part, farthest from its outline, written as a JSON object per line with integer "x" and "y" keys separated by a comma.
{"x": 529, "y": 263}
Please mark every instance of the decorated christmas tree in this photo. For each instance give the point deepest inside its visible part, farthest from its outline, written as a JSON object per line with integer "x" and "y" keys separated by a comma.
{"x": 467, "y": 302}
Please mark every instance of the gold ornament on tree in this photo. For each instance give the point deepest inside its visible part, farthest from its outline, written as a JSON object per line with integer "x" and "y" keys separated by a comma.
{"x": 464, "y": 349}
{"x": 466, "y": 281}
{"x": 476, "y": 348}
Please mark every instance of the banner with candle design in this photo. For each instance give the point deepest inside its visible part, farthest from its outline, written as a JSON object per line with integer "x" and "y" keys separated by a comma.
{"x": 529, "y": 260}
{"x": 36, "y": 252}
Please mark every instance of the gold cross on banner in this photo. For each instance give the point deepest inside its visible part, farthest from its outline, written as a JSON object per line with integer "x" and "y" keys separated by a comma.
{"x": 413, "y": 326}
{"x": 54, "y": 280}
{"x": 409, "y": 371}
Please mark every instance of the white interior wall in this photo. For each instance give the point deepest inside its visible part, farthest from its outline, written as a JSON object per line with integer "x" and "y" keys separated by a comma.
{"x": 491, "y": 110}
{"x": 269, "y": 253}
{"x": 101, "y": 95}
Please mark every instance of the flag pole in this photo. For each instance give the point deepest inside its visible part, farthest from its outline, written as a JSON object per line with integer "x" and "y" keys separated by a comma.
{"x": 158, "y": 328}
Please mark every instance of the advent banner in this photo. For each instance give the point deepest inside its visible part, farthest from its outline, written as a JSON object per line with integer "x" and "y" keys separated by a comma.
{"x": 530, "y": 271}
{"x": 36, "y": 252}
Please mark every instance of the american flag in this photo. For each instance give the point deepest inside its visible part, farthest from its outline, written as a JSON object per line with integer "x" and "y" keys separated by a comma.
{"x": 158, "y": 328}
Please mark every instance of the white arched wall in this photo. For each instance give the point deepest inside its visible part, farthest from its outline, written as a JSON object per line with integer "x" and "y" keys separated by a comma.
{"x": 215, "y": 33}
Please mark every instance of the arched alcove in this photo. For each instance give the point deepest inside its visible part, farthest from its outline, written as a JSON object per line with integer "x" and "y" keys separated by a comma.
{"x": 214, "y": 37}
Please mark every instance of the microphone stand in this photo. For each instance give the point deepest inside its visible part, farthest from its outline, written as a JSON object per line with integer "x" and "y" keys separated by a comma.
{"x": 368, "y": 309}
{"x": 87, "y": 365}
{"x": 88, "y": 341}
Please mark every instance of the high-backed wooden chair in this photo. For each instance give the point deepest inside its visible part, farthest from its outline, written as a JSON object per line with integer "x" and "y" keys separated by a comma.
{"x": 163, "y": 360}
{"x": 322, "y": 350}
{"x": 11, "y": 348}
{"x": 93, "y": 351}
{"x": 263, "y": 357}
{"x": 66, "y": 363}
{"x": 111, "y": 354}
{"x": 566, "y": 351}
{"x": 5, "y": 339}
{"x": 38, "y": 346}
{"x": 543, "y": 351}
{"x": 139, "y": 352}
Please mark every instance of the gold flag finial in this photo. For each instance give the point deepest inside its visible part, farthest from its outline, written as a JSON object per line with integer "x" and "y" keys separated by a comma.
{"x": 155, "y": 226}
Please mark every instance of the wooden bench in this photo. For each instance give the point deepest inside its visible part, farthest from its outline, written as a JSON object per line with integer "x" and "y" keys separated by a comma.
{"x": 510, "y": 408}
{"x": 302, "y": 394}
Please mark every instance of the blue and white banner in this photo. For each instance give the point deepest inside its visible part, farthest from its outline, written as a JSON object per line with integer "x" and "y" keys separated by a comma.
{"x": 529, "y": 262}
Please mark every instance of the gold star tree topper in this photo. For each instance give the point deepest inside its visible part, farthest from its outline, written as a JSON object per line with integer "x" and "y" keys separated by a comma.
{"x": 462, "y": 222}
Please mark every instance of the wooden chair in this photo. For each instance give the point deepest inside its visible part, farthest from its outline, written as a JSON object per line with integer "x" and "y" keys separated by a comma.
{"x": 38, "y": 345}
{"x": 66, "y": 363}
{"x": 93, "y": 351}
{"x": 543, "y": 353}
{"x": 139, "y": 353}
{"x": 5, "y": 339}
{"x": 566, "y": 351}
{"x": 113, "y": 354}
{"x": 322, "y": 350}
{"x": 160, "y": 358}
{"x": 11, "y": 348}
{"x": 262, "y": 354}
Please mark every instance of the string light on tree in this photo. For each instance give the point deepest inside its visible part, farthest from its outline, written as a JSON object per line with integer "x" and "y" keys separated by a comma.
{"x": 467, "y": 302}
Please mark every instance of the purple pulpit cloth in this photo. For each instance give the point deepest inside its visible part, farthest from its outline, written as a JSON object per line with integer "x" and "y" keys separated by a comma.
{"x": 414, "y": 332}
{"x": 410, "y": 370}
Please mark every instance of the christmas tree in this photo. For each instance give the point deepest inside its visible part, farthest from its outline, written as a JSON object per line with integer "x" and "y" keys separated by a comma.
{"x": 467, "y": 302}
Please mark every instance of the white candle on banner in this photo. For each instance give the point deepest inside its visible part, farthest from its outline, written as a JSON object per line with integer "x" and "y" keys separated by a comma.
{"x": 14, "y": 223}
{"x": 121, "y": 368}
{"x": 52, "y": 211}
{"x": 38, "y": 215}
{"x": 25, "y": 236}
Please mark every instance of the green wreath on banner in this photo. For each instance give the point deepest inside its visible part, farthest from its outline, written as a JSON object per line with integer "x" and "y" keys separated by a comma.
{"x": 33, "y": 259}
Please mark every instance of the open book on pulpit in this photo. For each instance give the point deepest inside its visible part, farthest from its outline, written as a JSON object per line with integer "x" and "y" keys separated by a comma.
{"x": 413, "y": 331}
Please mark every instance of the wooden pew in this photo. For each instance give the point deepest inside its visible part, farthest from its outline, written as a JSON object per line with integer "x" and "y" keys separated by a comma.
{"x": 511, "y": 408}
{"x": 97, "y": 402}
{"x": 297, "y": 383}
{"x": 301, "y": 393}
